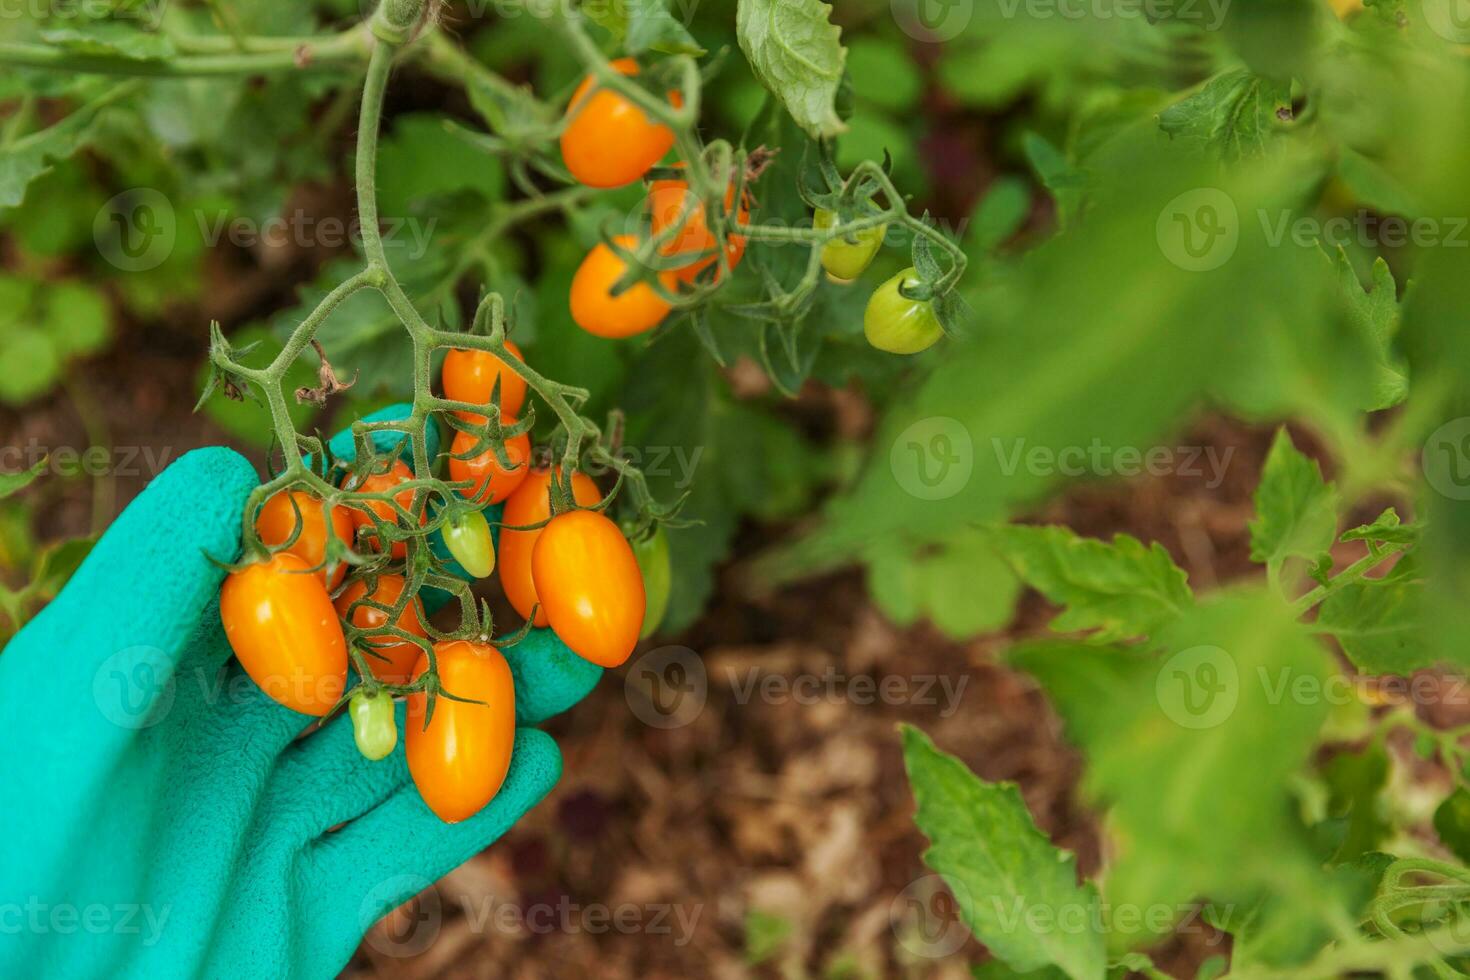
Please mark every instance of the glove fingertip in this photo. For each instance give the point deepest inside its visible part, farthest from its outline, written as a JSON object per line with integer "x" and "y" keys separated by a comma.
{"x": 343, "y": 448}
{"x": 549, "y": 677}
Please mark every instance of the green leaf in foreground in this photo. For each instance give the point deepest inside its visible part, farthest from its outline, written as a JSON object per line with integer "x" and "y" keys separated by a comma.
{"x": 796, "y": 53}
{"x": 1193, "y": 750}
{"x": 959, "y": 584}
{"x": 1376, "y": 313}
{"x": 1017, "y": 892}
{"x": 1296, "y": 510}
{"x": 1235, "y": 114}
{"x": 1123, "y": 589}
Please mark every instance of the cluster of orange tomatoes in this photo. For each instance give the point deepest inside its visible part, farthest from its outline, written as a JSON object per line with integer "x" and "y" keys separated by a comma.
{"x": 576, "y": 573}
{"x": 609, "y": 142}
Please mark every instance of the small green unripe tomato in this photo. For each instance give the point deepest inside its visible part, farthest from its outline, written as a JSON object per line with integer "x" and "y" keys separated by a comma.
{"x": 652, "y": 554}
{"x": 373, "y": 726}
{"x": 845, "y": 259}
{"x": 897, "y": 324}
{"x": 467, "y": 535}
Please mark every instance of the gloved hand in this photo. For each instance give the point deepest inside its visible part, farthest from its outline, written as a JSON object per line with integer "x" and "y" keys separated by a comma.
{"x": 159, "y": 817}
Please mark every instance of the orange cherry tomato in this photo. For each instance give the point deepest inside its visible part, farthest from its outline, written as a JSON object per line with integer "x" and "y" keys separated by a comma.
{"x": 608, "y": 141}
{"x": 590, "y": 583}
{"x": 492, "y": 482}
{"x": 470, "y": 376}
{"x": 277, "y": 520}
{"x": 671, "y": 202}
{"x": 401, "y": 655}
{"x": 281, "y": 624}
{"x": 596, "y": 310}
{"x": 398, "y": 473}
{"x": 460, "y": 760}
{"x": 530, "y": 504}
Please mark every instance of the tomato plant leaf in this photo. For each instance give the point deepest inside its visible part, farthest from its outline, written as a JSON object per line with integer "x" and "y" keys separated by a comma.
{"x": 1376, "y": 314}
{"x": 1378, "y": 621}
{"x": 31, "y": 156}
{"x": 1000, "y": 867}
{"x": 1234, "y": 114}
{"x": 1296, "y": 510}
{"x": 1192, "y": 750}
{"x": 643, "y": 25}
{"x": 959, "y": 583}
{"x": 1120, "y": 589}
{"x": 796, "y": 53}
{"x": 1386, "y": 528}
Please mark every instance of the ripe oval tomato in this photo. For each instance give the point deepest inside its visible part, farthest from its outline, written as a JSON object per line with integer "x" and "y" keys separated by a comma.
{"x": 632, "y": 311}
{"x": 398, "y": 473}
{"x": 467, "y": 536}
{"x": 899, "y": 325}
{"x": 491, "y": 482}
{"x": 374, "y": 728}
{"x": 470, "y": 376}
{"x": 460, "y": 760}
{"x": 844, "y": 259}
{"x": 653, "y": 561}
{"x": 671, "y": 202}
{"x": 394, "y": 660}
{"x": 531, "y": 505}
{"x": 608, "y": 141}
{"x": 277, "y": 520}
{"x": 589, "y": 581}
{"x": 284, "y": 631}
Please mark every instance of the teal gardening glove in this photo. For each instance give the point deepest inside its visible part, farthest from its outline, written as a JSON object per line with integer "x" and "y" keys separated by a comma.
{"x": 161, "y": 819}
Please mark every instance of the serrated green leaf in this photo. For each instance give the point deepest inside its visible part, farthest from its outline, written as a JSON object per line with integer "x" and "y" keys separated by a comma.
{"x": 1234, "y": 114}
{"x": 797, "y": 54}
{"x": 1296, "y": 510}
{"x": 1386, "y": 528}
{"x": 1001, "y": 868}
{"x": 643, "y": 25}
{"x": 1192, "y": 750}
{"x": 1378, "y": 621}
{"x": 1120, "y": 589}
{"x": 1375, "y": 313}
{"x": 960, "y": 583}
{"x": 27, "y": 158}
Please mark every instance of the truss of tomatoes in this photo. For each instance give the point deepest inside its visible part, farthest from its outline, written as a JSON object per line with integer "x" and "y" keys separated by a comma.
{"x": 609, "y": 142}
{"x": 577, "y": 574}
